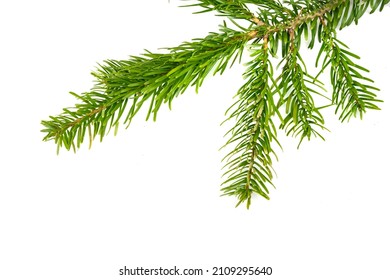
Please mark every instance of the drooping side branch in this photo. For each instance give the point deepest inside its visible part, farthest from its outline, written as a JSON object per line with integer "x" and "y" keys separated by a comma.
{"x": 249, "y": 163}
{"x": 353, "y": 92}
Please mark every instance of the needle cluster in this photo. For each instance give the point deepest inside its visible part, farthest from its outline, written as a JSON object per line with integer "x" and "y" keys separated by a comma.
{"x": 270, "y": 30}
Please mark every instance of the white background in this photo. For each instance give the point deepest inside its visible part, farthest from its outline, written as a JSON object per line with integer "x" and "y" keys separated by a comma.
{"x": 150, "y": 196}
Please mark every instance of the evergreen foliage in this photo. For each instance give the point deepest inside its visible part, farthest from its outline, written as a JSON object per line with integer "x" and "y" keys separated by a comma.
{"x": 274, "y": 30}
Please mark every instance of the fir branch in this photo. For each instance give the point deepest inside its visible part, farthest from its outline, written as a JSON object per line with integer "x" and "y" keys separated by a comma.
{"x": 249, "y": 163}
{"x": 155, "y": 77}
{"x": 353, "y": 92}
{"x": 274, "y": 28}
{"x": 302, "y": 116}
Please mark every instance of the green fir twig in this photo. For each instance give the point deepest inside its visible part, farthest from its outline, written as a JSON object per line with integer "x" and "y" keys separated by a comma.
{"x": 273, "y": 29}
